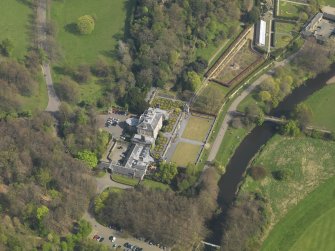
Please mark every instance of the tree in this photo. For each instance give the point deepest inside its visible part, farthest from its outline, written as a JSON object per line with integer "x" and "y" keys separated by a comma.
{"x": 264, "y": 96}
{"x": 303, "y": 114}
{"x": 291, "y": 129}
{"x": 41, "y": 212}
{"x": 167, "y": 171}
{"x": 88, "y": 157}
{"x": 193, "y": 81}
{"x": 68, "y": 90}
{"x": 282, "y": 174}
{"x": 6, "y": 47}
{"x": 85, "y": 24}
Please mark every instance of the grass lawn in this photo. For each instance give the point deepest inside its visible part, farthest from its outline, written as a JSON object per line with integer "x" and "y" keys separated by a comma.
{"x": 309, "y": 226}
{"x": 211, "y": 98}
{"x": 155, "y": 185}
{"x": 230, "y": 142}
{"x": 14, "y": 24}
{"x": 110, "y": 20}
{"x": 311, "y": 166}
{"x": 185, "y": 153}
{"x": 322, "y": 104}
{"x": 287, "y": 9}
{"x": 284, "y": 33}
{"x": 197, "y": 128}
{"x": 125, "y": 180}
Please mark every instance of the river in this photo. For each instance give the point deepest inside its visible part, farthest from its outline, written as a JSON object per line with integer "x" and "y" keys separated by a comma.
{"x": 230, "y": 181}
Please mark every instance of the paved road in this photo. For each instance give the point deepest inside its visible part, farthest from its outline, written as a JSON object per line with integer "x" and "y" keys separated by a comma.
{"x": 53, "y": 103}
{"x": 233, "y": 107}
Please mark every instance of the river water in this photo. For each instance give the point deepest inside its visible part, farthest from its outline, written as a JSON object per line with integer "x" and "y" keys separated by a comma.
{"x": 229, "y": 182}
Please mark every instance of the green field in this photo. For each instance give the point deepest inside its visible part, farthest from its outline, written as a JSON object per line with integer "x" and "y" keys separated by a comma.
{"x": 287, "y": 9}
{"x": 124, "y": 180}
{"x": 230, "y": 142}
{"x": 284, "y": 33}
{"x": 185, "y": 153}
{"x": 290, "y": 201}
{"x": 322, "y": 104}
{"x": 310, "y": 165}
{"x": 14, "y": 24}
{"x": 197, "y": 128}
{"x": 210, "y": 98}
{"x": 309, "y": 226}
{"x": 154, "y": 185}
{"x": 79, "y": 49}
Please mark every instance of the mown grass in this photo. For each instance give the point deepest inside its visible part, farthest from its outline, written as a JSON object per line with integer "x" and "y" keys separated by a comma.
{"x": 283, "y": 34}
{"x": 312, "y": 162}
{"x": 155, "y": 185}
{"x": 322, "y": 104}
{"x": 109, "y": 27}
{"x": 287, "y": 9}
{"x": 310, "y": 225}
{"x": 125, "y": 180}
{"x": 185, "y": 154}
{"x": 197, "y": 128}
{"x": 15, "y": 25}
{"x": 230, "y": 142}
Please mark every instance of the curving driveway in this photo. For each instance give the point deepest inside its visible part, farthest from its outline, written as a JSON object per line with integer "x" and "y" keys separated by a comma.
{"x": 53, "y": 103}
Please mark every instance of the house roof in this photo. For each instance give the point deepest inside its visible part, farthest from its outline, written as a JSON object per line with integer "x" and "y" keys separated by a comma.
{"x": 149, "y": 119}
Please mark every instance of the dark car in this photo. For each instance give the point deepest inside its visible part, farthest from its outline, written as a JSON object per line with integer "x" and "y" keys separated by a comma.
{"x": 101, "y": 239}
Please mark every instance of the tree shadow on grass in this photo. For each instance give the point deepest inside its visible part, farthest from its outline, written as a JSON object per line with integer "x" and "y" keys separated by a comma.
{"x": 72, "y": 28}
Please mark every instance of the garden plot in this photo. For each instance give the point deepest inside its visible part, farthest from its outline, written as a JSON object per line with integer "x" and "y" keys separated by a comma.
{"x": 160, "y": 144}
{"x": 237, "y": 64}
{"x": 197, "y": 128}
{"x": 210, "y": 99}
{"x": 185, "y": 154}
{"x": 284, "y": 33}
{"x": 289, "y": 9}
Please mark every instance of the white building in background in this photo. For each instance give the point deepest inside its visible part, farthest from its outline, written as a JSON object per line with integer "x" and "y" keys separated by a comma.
{"x": 138, "y": 158}
{"x": 261, "y": 33}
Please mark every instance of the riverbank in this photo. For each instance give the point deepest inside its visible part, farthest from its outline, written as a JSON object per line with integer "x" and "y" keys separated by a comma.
{"x": 302, "y": 171}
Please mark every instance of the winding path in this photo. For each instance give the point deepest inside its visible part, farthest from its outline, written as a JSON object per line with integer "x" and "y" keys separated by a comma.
{"x": 53, "y": 102}
{"x": 233, "y": 107}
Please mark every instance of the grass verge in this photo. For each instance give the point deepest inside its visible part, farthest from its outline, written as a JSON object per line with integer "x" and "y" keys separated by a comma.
{"x": 15, "y": 25}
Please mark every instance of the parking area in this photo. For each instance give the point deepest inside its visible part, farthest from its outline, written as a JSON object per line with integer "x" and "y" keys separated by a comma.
{"x": 115, "y": 129}
{"x": 120, "y": 238}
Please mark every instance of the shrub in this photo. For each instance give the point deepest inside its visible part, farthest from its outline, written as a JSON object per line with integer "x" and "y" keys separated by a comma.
{"x": 257, "y": 172}
{"x": 283, "y": 174}
{"x": 85, "y": 24}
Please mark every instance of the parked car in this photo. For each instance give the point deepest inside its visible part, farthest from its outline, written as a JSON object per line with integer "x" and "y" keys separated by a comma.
{"x": 101, "y": 239}
{"x": 112, "y": 238}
